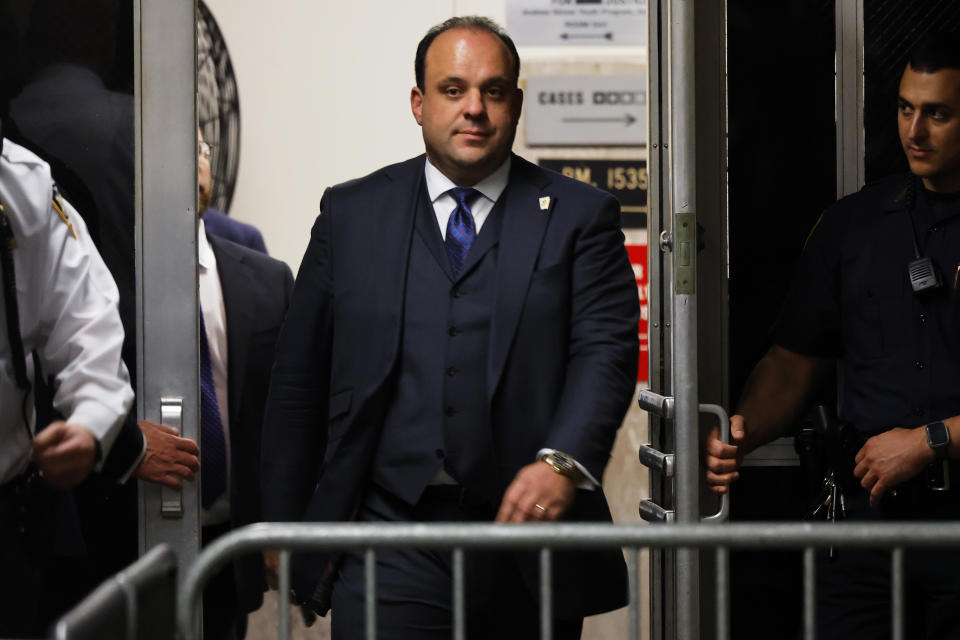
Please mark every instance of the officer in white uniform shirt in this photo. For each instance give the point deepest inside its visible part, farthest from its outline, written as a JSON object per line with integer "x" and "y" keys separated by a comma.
{"x": 68, "y": 313}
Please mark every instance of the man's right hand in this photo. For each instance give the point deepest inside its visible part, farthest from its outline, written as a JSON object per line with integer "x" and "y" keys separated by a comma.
{"x": 169, "y": 458}
{"x": 723, "y": 460}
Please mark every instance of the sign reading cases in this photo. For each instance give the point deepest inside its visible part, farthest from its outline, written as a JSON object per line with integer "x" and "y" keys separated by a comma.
{"x": 586, "y": 110}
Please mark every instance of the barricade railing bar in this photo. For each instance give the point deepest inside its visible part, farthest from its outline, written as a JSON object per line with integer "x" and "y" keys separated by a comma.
{"x": 557, "y": 536}
{"x": 139, "y": 603}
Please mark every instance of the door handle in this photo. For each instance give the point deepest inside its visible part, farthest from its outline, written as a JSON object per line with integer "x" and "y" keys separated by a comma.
{"x": 663, "y": 406}
{"x": 650, "y": 511}
{"x": 724, "y": 511}
{"x": 657, "y": 460}
{"x": 655, "y": 403}
{"x": 171, "y": 414}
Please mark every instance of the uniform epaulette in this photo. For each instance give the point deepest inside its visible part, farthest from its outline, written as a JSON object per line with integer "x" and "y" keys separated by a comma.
{"x": 57, "y": 203}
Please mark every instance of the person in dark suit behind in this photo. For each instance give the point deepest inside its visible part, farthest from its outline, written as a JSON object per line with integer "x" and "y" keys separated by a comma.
{"x": 461, "y": 346}
{"x": 243, "y": 297}
{"x": 217, "y": 222}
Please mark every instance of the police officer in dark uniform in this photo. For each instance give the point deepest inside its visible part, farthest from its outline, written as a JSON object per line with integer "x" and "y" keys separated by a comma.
{"x": 877, "y": 288}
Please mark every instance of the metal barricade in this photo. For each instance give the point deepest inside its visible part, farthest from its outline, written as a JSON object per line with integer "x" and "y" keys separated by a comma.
{"x": 547, "y": 537}
{"x": 136, "y": 604}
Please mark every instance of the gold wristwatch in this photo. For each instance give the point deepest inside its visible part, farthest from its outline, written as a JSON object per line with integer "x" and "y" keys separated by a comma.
{"x": 564, "y": 464}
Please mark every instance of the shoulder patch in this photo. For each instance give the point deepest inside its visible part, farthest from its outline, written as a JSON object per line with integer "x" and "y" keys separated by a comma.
{"x": 57, "y": 202}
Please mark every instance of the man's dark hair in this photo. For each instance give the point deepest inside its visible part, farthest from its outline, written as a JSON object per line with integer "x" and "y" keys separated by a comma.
{"x": 939, "y": 50}
{"x": 473, "y": 23}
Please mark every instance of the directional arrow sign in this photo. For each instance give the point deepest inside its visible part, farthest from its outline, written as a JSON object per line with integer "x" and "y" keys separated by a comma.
{"x": 587, "y": 36}
{"x": 590, "y": 110}
{"x": 627, "y": 119}
{"x": 578, "y": 22}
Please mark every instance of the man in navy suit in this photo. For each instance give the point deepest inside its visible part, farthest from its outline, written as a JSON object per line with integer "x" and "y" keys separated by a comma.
{"x": 243, "y": 298}
{"x": 461, "y": 346}
{"x": 241, "y": 330}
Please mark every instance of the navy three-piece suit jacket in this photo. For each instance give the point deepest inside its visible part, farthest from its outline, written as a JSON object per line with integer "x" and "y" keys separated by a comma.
{"x": 560, "y": 364}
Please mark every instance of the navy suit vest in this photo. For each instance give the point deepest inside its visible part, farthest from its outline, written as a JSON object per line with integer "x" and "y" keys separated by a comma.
{"x": 439, "y": 413}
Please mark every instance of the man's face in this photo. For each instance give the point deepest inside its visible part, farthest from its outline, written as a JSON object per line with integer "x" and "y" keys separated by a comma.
{"x": 470, "y": 104}
{"x": 929, "y": 122}
{"x": 204, "y": 181}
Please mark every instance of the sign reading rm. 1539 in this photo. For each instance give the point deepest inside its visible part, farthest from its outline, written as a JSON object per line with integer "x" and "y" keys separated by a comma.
{"x": 625, "y": 179}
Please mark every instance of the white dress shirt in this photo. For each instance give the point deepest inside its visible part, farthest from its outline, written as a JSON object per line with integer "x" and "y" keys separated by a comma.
{"x": 490, "y": 188}
{"x": 215, "y": 321}
{"x": 68, "y": 312}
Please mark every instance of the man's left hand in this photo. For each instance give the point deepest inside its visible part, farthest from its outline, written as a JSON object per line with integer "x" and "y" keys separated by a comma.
{"x": 65, "y": 453}
{"x": 537, "y": 494}
{"x": 892, "y": 457}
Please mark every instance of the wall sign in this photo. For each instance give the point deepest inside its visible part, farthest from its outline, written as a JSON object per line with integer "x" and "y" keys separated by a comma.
{"x": 578, "y": 22}
{"x": 586, "y": 110}
{"x": 625, "y": 179}
{"x": 638, "y": 260}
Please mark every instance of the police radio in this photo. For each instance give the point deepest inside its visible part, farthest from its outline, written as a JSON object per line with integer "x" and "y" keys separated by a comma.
{"x": 922, "y": 272}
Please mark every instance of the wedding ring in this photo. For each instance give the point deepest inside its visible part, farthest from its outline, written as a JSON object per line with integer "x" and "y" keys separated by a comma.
{"x": 541, "y": 507}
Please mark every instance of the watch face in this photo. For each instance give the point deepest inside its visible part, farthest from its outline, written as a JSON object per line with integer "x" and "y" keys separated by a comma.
{"x": 937, "y": 435}
{"x": 563, "y": 461}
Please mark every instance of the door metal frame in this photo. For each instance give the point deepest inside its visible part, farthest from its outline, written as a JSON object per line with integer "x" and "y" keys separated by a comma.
{"x": 851, "y": 142}
{"x": 688, "y": 199}
{"x": 661, "y": 575}
{"x": 165, "y": 44}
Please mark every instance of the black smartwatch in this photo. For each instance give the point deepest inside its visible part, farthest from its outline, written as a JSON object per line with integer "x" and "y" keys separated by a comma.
{"x": 938, "y": 437}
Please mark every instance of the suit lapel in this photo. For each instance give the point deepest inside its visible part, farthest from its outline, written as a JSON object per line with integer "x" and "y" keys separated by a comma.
{"x": 430, "y": 232}
{"x": 398, "y": 202}
{"x": 521, "y": 235}
{"x": 235, "y": 278}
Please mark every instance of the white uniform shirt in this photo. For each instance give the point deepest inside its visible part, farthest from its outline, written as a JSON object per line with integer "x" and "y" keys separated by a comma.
{"x": 215, "y": 321}
{"x": 68, "y": 312}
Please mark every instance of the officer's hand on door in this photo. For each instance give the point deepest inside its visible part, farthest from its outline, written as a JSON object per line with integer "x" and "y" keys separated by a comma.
{"x": 169, "y": 459}
{"x": 723, "y": 460}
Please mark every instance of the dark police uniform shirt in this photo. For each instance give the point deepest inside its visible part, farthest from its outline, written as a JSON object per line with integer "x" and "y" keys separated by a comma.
{"x": 852, "y": 299}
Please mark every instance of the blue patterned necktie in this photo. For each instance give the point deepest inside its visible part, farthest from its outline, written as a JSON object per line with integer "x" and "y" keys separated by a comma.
{"x": 461, "y": 231}
{"x": 213, "y": 444}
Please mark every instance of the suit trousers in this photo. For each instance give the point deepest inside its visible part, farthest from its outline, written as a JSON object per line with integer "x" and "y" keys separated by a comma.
{"x": 414, "y": 585}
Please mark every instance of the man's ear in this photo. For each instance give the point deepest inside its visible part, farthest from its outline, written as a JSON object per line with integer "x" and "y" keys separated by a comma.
{"x": 416, "y": 104}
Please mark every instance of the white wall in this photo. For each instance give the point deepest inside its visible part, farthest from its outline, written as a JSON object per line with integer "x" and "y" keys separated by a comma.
{"x": 324, "y": 97}
{"x": 324, "y": 92}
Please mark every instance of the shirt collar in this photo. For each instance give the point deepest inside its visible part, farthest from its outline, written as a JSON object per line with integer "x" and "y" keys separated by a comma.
{"x": 491, "y": 187}
{"x": 205, "y": 256}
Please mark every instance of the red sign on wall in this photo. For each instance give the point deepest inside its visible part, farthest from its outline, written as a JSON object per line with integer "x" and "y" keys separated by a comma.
{"x": 638, "y": 259}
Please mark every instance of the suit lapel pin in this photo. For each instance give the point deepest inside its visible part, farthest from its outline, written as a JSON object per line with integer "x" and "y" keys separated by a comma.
{"x": 545, "y": 203}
